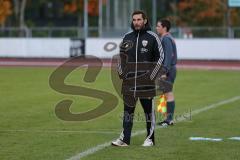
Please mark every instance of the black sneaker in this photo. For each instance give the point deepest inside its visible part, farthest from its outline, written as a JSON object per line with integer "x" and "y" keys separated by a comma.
{"x": 165, "y": 123}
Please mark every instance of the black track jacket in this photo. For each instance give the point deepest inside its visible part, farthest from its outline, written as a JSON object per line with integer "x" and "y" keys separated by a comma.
{"x": 141, "y": 57}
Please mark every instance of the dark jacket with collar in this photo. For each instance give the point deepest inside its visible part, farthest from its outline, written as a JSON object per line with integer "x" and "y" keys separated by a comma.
{"x": 141, "y": 57}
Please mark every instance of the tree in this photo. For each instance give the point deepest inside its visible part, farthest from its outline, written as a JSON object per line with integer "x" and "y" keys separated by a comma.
{"x": 205, "y": 13}
{"x": 5, "y": 10}
{"x": 74, "y": 7}
{"x": 77, "y": 5}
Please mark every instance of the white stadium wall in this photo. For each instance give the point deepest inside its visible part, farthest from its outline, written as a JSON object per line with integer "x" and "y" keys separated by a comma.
{"x": 35, "y": 47}
{"x": 219, "y": 49}
{"x": 211, "y": 49}
{"x": 199, "y": 49}
{"x": 102, "y": 47}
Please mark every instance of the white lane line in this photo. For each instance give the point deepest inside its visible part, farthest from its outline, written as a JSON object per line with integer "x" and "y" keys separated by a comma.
{"x": 235, "y": 138}
{"x": 106, "y": 144}
{"x": 205, "y": 139}
{"x": 62, "y": 131}
{"x": 90, "y": 151}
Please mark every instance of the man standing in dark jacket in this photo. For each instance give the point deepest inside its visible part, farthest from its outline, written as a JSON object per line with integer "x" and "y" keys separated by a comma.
{"x": 170, "y": 61}
{"x": 140, "y": 48}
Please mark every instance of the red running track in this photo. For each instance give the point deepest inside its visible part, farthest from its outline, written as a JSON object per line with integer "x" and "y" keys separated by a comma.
{"x": 183, "y": 64}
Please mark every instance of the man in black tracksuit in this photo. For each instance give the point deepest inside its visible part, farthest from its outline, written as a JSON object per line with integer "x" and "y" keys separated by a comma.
{"x": 141, "y": 56}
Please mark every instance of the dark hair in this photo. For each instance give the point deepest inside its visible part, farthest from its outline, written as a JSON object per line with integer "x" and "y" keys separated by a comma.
{"x": 144, "y": 16}
{"x": 165, "y": 23}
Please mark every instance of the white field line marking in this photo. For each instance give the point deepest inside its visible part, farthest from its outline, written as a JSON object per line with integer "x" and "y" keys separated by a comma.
{"x": 205, "y": 139}
{"x": 61, "y": 131}
{"x": 235, "y": 138}
{"x": 106, "y": 144}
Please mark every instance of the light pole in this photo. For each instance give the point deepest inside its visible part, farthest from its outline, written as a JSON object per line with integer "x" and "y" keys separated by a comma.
{"x": 85, "y": 18}
{"x": 154, "y": 13}
{"x": 229, "y": 21}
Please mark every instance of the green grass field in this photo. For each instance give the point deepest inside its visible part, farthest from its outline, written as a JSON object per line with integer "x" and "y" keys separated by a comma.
{"x": 30, "y": 130}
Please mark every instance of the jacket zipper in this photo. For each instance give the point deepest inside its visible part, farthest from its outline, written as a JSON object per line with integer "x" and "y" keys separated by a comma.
{"x": 135, "y": 88}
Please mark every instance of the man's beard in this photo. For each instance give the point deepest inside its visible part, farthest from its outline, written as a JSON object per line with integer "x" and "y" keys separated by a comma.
{"x": 137, "y": 28}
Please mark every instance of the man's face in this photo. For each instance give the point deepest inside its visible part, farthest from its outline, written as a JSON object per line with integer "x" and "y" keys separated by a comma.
{"x": 138, "y": 21}
{"x": 160, "y": 29}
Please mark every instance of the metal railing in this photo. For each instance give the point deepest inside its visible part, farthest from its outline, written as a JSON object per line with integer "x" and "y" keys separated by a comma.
{"x": 75, "y": 32}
